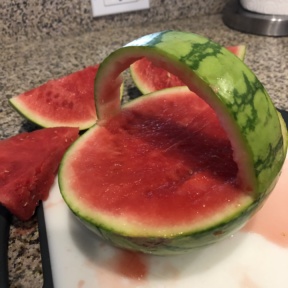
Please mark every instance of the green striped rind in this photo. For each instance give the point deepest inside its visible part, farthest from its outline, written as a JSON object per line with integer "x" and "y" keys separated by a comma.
{"x": 146, "y": 84}
{"x": 177, "y": 244}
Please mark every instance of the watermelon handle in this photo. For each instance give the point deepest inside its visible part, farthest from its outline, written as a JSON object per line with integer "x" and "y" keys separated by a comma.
{"x": 149, "y": 78}
{"x": 222, "y": 80}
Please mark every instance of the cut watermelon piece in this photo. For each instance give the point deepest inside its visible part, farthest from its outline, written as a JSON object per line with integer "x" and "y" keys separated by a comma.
{"x": 238, "y": 50}
{"x": 67, "y": 101}
{"x": 155, "y": 140}
{"x": 149, "y": 78}
{"x": 28, "y": 165}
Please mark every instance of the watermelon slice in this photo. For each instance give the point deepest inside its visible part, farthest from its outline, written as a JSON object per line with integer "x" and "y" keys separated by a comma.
{"x": 28, "y": 165}
{"x": 67, "y": 101}
{"x": 149, "y": 78}
{"x": 137, "y": 184}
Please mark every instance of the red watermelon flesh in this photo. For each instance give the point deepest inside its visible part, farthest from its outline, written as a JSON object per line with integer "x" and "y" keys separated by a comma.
{"x": 28, "y": 165}
{"x": 67, "y": 101}
{"x": 158, "y": 169}
{"x": 149, "y": 78}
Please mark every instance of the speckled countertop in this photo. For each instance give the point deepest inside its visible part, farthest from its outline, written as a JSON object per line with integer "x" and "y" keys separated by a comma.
{"x": 28, "y": 63}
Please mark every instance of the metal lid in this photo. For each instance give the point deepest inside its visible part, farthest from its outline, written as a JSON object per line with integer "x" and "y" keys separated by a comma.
{"x": 236, "y": 17}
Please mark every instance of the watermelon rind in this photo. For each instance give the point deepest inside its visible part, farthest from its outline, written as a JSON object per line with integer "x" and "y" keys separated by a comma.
{"x": 242, "y": 105}
{"x": 149, "y": 78}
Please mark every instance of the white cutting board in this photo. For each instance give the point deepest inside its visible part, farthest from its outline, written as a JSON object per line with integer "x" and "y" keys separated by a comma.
{"x": 255, "y": 257}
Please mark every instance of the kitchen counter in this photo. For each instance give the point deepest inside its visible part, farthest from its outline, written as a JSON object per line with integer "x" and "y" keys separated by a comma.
{"x": 26, "y": 64}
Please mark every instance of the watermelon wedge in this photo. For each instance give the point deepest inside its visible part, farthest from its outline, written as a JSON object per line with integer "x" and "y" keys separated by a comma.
{"x": 149, "y": 78}
{"x": 137, "y": 185}
{"x": 67, "y": 101}
{"x": 28, "y": 165}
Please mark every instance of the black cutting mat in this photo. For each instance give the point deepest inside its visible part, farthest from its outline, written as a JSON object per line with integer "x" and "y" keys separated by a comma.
{"x": 284, "y": 115}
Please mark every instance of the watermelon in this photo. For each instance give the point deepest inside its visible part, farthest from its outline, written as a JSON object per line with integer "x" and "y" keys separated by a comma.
{"x": 133, "y": 178}
{"x": 149, "y": 78}
{"x": 67, "y": 101}
{"x": 28, "y": 165}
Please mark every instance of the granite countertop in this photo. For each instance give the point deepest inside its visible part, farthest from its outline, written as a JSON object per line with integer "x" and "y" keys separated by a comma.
{"x": 27, "y": 64}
